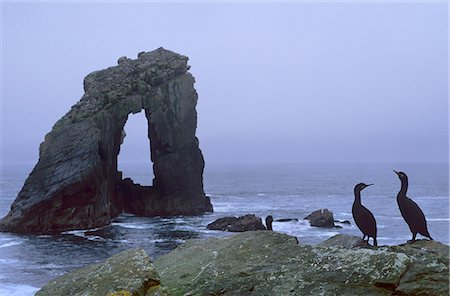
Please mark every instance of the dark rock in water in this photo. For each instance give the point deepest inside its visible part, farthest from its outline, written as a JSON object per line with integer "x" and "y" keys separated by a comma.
{"x": 342, "y": 222}
{"x": 321, "y": 218}
{"x": 286, "y": 220}
{"x": 269, "y": 263}
{"x": 76, "y": 185}
{"x": 237, "y": 224}
{"x": 127, "y": 273}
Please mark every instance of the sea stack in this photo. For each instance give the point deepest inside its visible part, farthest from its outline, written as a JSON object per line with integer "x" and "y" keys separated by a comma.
{"x": 76, "y": 185}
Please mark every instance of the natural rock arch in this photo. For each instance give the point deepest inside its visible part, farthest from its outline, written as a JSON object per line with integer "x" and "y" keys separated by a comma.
{"x": 76, "y": 185}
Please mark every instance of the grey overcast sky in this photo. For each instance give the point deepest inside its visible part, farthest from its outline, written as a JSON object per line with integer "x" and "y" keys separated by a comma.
{"x": 277, "y": 82}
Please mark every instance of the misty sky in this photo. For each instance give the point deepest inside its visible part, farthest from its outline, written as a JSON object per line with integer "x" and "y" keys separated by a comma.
{"x": 290, "y": 82}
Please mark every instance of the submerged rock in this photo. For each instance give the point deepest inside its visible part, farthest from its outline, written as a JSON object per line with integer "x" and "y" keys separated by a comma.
{"x": 321, "y": 218}
{"x": 270, "y": 263}
{"x": 127, "y": 273}
{"x": 286, "y": 220}
{"x": 237, "y": 224}
{"x": 76, "y": 185}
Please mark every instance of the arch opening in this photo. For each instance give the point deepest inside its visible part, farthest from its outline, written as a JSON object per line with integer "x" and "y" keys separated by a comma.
{"x": 134, "y": 159}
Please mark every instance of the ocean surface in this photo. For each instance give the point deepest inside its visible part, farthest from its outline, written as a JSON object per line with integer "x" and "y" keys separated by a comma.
{"x": 28, "y": 262}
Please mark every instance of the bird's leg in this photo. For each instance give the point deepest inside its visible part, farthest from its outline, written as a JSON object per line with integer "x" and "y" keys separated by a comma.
{"x": 413, "y": 238}
{"x": 374, "y": 242}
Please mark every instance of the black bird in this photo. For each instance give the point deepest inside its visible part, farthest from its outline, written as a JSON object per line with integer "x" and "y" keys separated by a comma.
{"x": 269, "y": 221}
{"x": 410, "y": 211}
{"x": 364, "y": 219}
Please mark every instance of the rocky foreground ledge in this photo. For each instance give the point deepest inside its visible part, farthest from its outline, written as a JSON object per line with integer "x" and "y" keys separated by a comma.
{"x": 267, "y": 263}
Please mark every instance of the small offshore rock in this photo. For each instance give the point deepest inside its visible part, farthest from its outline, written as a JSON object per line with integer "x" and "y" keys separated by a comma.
{"x": 321, "y": 218}
{"x": 237, "y": 224}
{"x": 342, "y": 222}
{"x": 286, "y": 220}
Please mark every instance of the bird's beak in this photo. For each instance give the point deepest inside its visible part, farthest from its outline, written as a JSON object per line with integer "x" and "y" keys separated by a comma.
{"x": 369, "y": 185}
{"x": 395, "y": 172}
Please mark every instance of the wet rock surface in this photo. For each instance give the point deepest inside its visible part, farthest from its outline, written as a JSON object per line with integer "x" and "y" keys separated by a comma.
{"x": 76, "y": 185}
{"x": 237, "y": 224}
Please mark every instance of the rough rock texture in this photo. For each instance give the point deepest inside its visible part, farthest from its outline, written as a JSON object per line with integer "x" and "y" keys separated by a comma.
{"x": 127, "y": 273}
{"x": 237, "y": 224}
{"x": 321, "y": 218}
{"x": 270, "y": 263}
{"x": 345, "y": 241}
{"x": 75, "y": 183}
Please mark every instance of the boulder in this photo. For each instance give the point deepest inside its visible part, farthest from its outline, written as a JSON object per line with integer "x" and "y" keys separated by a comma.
{"x": 76, "y": 185}
{"x": 127, "y": 273}
{"x": 321, "y": 218}
{"x": 271, "y": 263}
{"x": 237, "y": 224}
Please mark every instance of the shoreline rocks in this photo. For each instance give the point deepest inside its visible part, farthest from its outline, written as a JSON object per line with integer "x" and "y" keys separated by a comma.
{"x": 271, "y": 263}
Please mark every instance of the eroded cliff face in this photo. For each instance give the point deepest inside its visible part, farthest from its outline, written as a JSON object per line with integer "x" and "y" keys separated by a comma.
{"x": 75, "y": 183}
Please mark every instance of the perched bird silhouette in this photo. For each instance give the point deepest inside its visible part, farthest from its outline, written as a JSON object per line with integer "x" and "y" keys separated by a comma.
{"x": 269, "y": 220}
{"x": 364, "y": 218}
{"x": 410, "y": 211}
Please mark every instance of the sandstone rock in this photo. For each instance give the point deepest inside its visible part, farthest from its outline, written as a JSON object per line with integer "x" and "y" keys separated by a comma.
{"x": 127, "y": 273}
{"x": 270, "y": 263}
{"x": 237, "y": 224}
{"x": 76, "y": 185}
{"x": 321, "y": 218}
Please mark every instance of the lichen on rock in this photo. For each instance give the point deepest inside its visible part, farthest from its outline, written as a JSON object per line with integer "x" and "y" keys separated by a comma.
{"x": 127, "y": 273}
{"x": 270, "y": 263}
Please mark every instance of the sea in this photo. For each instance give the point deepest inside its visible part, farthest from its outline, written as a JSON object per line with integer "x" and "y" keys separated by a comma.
{"x": 27, "y": 262}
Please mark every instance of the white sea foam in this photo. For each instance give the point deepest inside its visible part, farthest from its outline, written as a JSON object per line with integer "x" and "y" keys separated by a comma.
{"x": 438, "y": 219}
{"x": 10, "y": 244}
{"x": 17, "y": 290}
{"x": 158, "y": 240}
{"x": 9, "y": 261}
{"x": 133, "y": 225}
{"x": 82, "y": 233}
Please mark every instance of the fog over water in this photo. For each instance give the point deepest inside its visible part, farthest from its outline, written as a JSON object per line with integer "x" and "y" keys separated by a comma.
{"x": 286, "y": 82}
